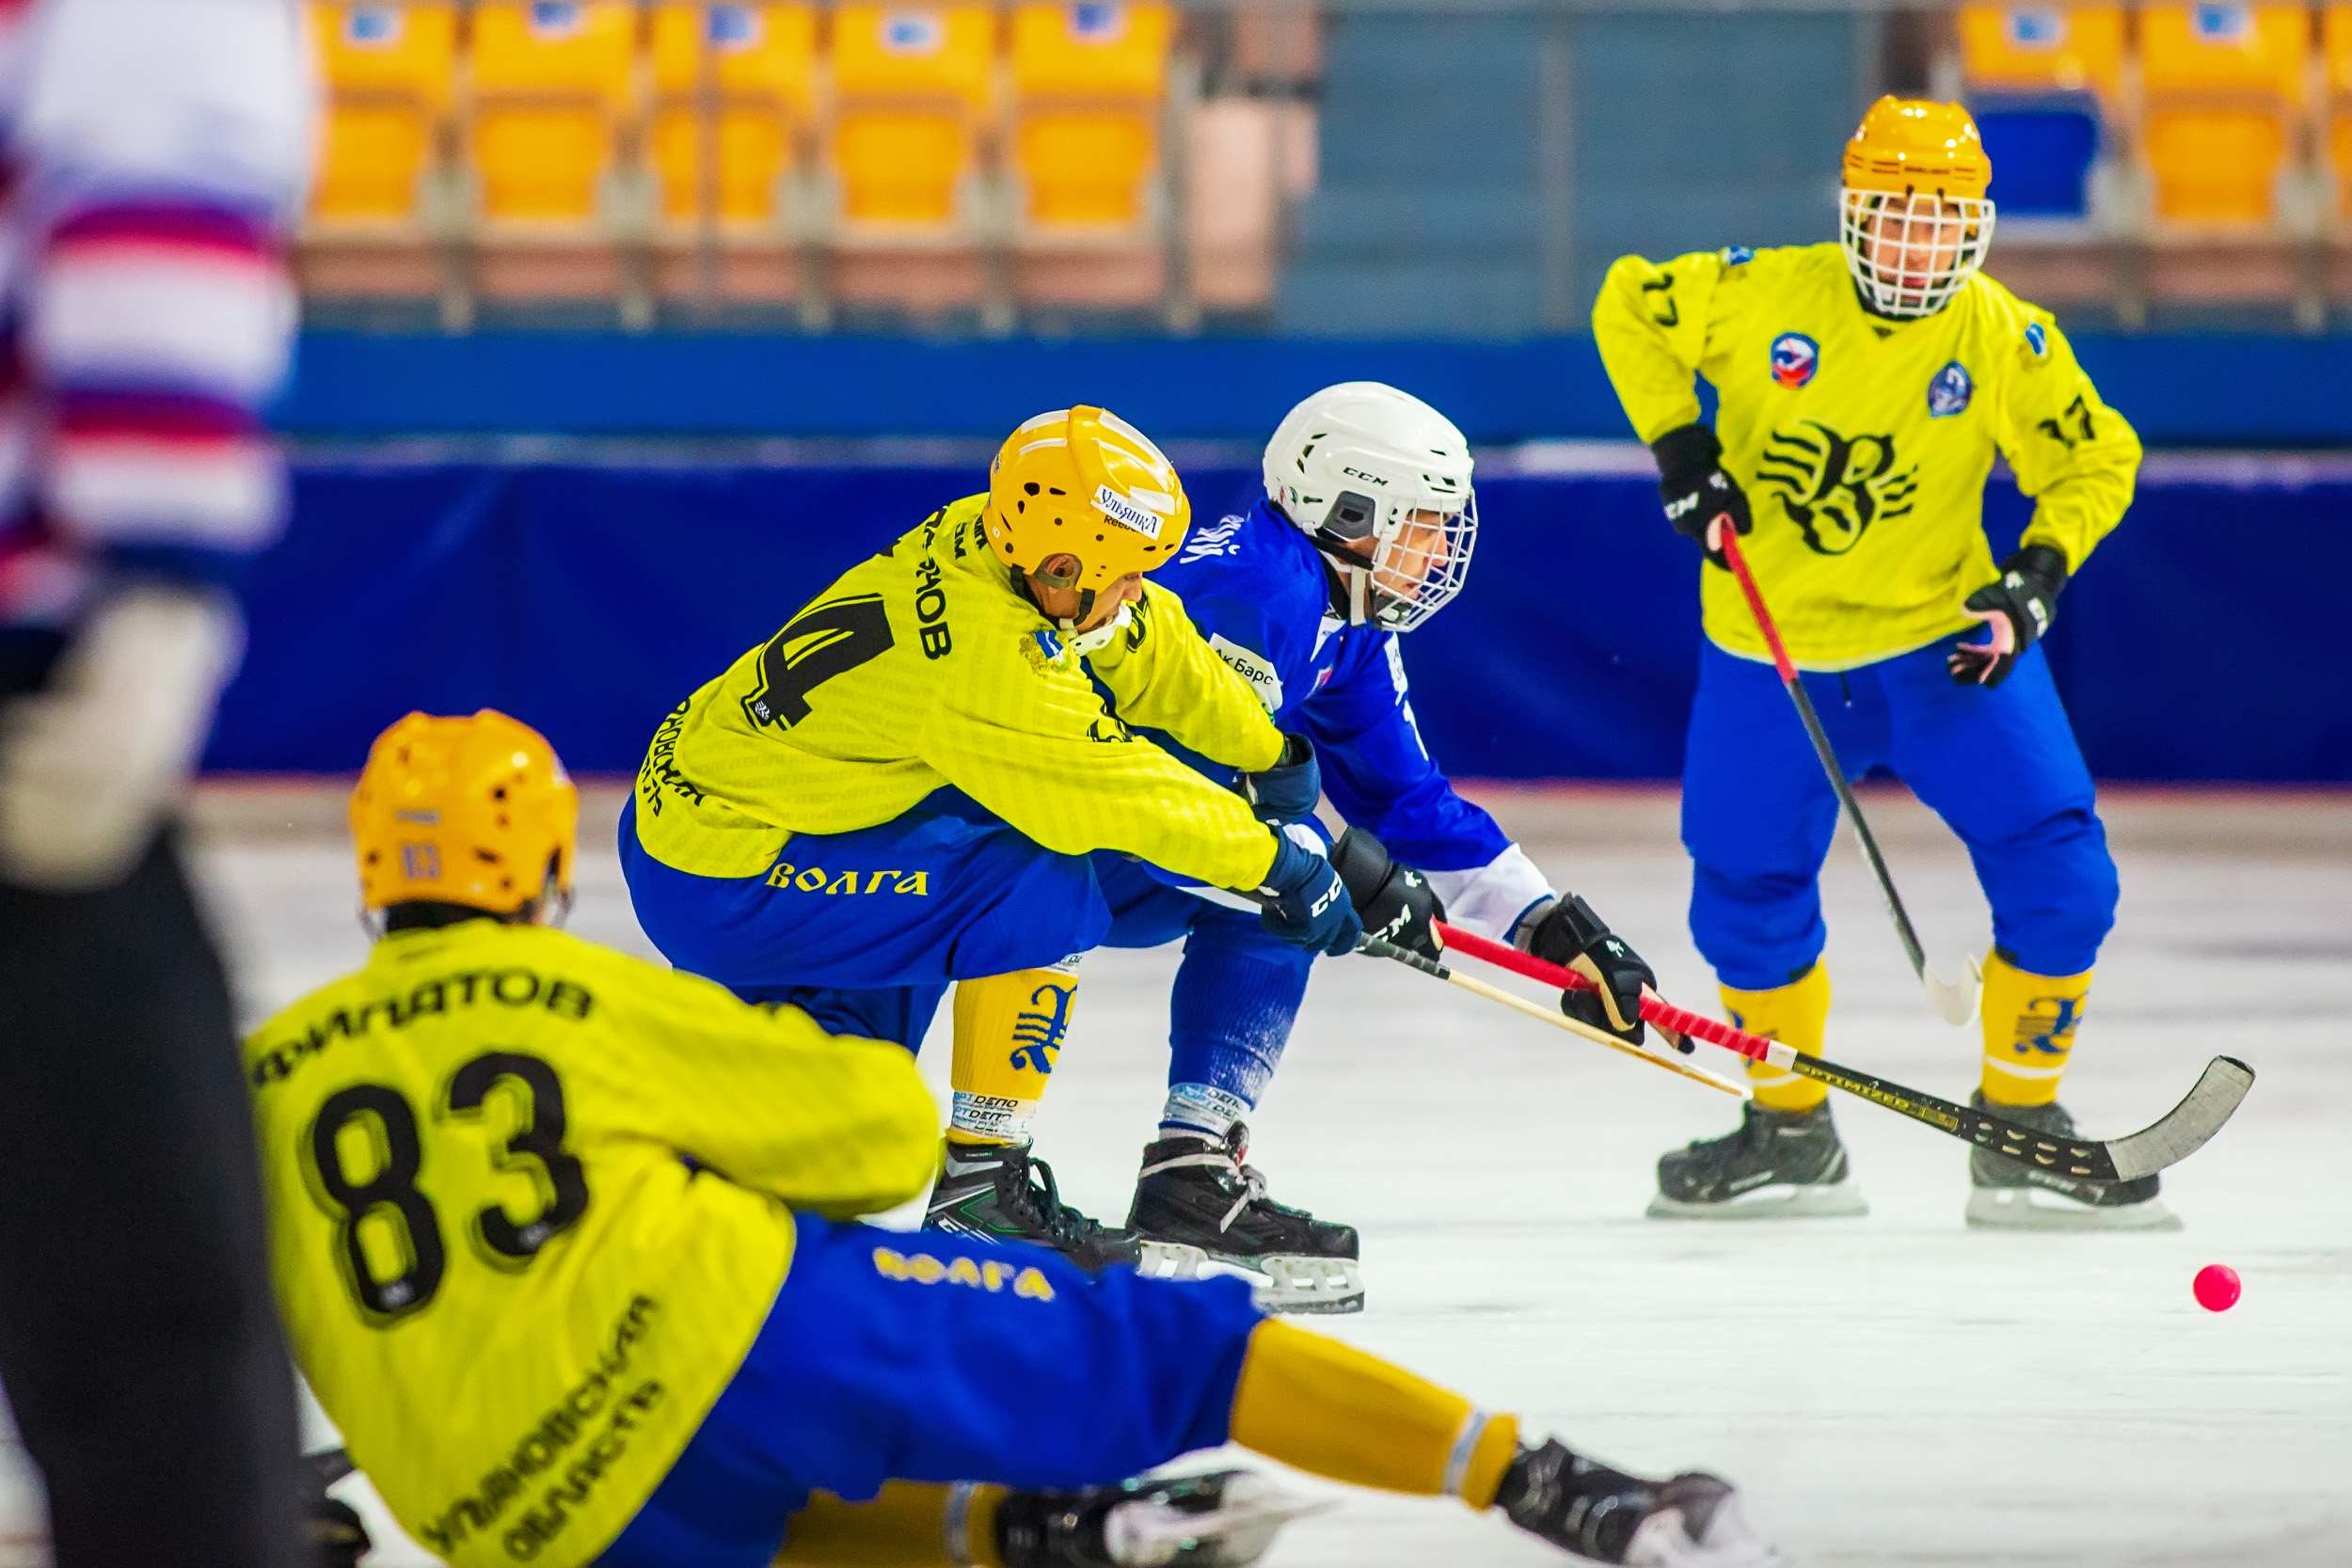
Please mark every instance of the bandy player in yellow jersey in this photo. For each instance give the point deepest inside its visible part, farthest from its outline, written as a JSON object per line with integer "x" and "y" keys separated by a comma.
{"x": 565, "y": 1244}
{"x": 919, "y": 781}
{"x": 1864, "y": 388}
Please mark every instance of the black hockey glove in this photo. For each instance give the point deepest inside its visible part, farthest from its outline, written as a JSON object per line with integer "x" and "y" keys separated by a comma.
{"x": 1396, "y": 902}
{"x": 1693, "y": 486}
{"x": 1573, "y": 937}
{"x": 2017, "y": 611}
{"x": 1286, "y": 792}
{"x": 1306, "y": 903}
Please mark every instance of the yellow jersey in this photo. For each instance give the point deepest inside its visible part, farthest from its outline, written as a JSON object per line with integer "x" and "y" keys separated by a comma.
{"x": 1863, "y": 444}
{"x": 924, "y": 667}
{"x": 500, "y": 1273}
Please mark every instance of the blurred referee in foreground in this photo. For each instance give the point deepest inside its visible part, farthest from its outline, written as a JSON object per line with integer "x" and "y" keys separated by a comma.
{"x": 154, "y": 152}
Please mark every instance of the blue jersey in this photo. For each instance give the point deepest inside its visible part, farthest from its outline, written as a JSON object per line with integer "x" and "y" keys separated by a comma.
{"x": 1258, "y": 590}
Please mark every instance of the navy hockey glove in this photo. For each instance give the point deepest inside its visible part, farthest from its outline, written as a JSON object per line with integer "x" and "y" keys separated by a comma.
{"x": 1693, "y": 486}
{"x": 1286, "y": 792}
{"x": 1396, "y": 902}
{"x": 1306, "y": 903}
{"x": 1573, "y": 937}
{"x": 2017, "y": 611}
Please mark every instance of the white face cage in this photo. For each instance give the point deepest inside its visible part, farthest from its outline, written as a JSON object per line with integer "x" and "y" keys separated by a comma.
{"x": 1421, "y": 558}
{"x": 1910, "y": 253}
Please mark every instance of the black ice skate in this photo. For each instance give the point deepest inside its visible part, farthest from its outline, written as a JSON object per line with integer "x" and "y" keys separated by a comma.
{"x": 1222, "y": 1519}
{"x": 1780, "y": 1164}
{"x": 999, "y": 1194}
{"x": 1195, "y": 1202}
{"x": 1693, "y": 1521}
{"x": 2011, "y": 1195}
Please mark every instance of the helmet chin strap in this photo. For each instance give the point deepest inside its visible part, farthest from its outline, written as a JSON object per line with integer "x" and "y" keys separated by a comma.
{"x": 1355, "y": 575}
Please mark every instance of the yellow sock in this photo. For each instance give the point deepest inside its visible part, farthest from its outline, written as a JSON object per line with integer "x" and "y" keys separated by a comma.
{"x": 1334, "y": 1410}
{"x": 1008, "y": 1029}
{"x": 1797, "y": 1015}
{"x": 2029, "y": 1024}
{"x": 909, "y": 1526}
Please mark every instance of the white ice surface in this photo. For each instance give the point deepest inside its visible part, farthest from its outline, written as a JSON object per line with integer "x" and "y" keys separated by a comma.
{"x": 1889, "y": 1390}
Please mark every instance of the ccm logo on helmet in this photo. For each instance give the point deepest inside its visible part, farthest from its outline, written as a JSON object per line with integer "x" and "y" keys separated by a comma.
{"x": 1127, "y": 514}
{"x": 1358, "y": 474}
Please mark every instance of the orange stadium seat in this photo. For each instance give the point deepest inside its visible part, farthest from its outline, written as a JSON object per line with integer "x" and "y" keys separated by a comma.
{"x": 1089, "y": 78}
{"x": 2225, "y": 85}
{"x": 2046, "y": 49}
{"x": 2336, "y": 43}
{"x": 389, "y": 70}
{"x": 913, "y": 90}
{"x": 553, "y": 83}
{"x": 761, "y": 68}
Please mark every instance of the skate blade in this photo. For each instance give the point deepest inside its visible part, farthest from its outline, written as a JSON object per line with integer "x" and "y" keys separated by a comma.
{"x": 1171, "y": 1261}
{"x": 1294, "y": 1283}
{"x": 1780, "y": 1201}
{"x": 2016, "y": 1208}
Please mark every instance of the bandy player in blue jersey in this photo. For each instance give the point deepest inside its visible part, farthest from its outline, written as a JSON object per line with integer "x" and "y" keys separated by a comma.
{"x": 1364, "y": 534}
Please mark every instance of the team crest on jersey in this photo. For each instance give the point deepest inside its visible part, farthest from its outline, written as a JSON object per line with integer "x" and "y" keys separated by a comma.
{"x": 2037, "y": 340}
{"x": 1737, "y": 256}
{"x": 1834, "y": 486}
{"x": 1949, "y": 393}
{"x": 1795, "y": 357}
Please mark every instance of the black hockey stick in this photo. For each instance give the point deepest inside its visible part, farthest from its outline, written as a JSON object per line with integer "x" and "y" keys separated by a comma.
{"x": 2167, "y": 1141}
{"x": 1953, "y": 1001}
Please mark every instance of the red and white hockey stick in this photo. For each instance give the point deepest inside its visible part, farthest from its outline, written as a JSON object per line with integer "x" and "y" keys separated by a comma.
{"x": 1955, "y": 1001}
{"x": 2169, "y": 1140}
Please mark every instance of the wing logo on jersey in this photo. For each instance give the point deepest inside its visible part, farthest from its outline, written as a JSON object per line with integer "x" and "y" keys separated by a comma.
{"x": 1795, "y": 357}
{"x": 1949, "y": 393}
{"x": 1040, "y": 1035}
{"x": 1834, "y": 486}
{"x": 1207, "y": 544}
{"x": 2037, "y": 340}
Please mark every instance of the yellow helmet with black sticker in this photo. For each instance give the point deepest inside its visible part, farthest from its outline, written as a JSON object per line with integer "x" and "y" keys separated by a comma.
{"x": 475, "y": 811}
{"x": 1084, "y": 483}
{"x": 1913, "y": 215}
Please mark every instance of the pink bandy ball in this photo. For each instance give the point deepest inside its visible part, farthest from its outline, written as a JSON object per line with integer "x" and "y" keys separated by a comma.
{"x": 2216, "y": 1287}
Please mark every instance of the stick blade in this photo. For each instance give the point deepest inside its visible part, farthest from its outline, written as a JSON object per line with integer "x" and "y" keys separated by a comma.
{"x": 2187, "y": 1127}
{"x": 1955, "y": 1001}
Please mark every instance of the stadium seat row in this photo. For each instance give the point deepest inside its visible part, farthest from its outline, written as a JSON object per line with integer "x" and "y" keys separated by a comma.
{"x": 2216, "y": 99}
{"x": 533, "y": 107}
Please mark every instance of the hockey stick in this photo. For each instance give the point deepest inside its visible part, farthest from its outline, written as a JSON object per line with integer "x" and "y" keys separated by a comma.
{"x": 2167, "y": 1141}
{"x": 1955, "y": 1002}
{"x": 1374, "y": 947}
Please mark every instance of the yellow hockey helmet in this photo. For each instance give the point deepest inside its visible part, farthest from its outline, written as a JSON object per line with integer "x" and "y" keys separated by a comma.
{"x": 471, "y": 811}
{"x": 1913, "y": 215}
{"x": 1084, "y": 483}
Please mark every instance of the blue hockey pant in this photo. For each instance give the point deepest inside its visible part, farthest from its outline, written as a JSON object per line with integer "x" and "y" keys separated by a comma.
{"x": 923, "y": 1356}
{"x": 866, "y": 930}
{"x": 2000, "y": 767}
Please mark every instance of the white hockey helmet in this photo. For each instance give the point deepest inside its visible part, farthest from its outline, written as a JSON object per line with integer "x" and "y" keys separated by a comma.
{"x": 1362, "y": 461}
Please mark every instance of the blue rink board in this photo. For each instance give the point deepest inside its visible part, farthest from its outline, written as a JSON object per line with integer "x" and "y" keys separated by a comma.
{"x": 2207, "y": 640}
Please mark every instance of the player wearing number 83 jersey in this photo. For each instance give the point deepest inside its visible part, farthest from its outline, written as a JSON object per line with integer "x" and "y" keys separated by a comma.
{"x": 470, "y": 1151}
{"x": 562, "y": 1241}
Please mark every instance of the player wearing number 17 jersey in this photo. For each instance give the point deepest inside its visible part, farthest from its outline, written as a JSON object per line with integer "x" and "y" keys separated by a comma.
{"x": 1866, "y": 387}
{"x": 563, "y": 1243}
